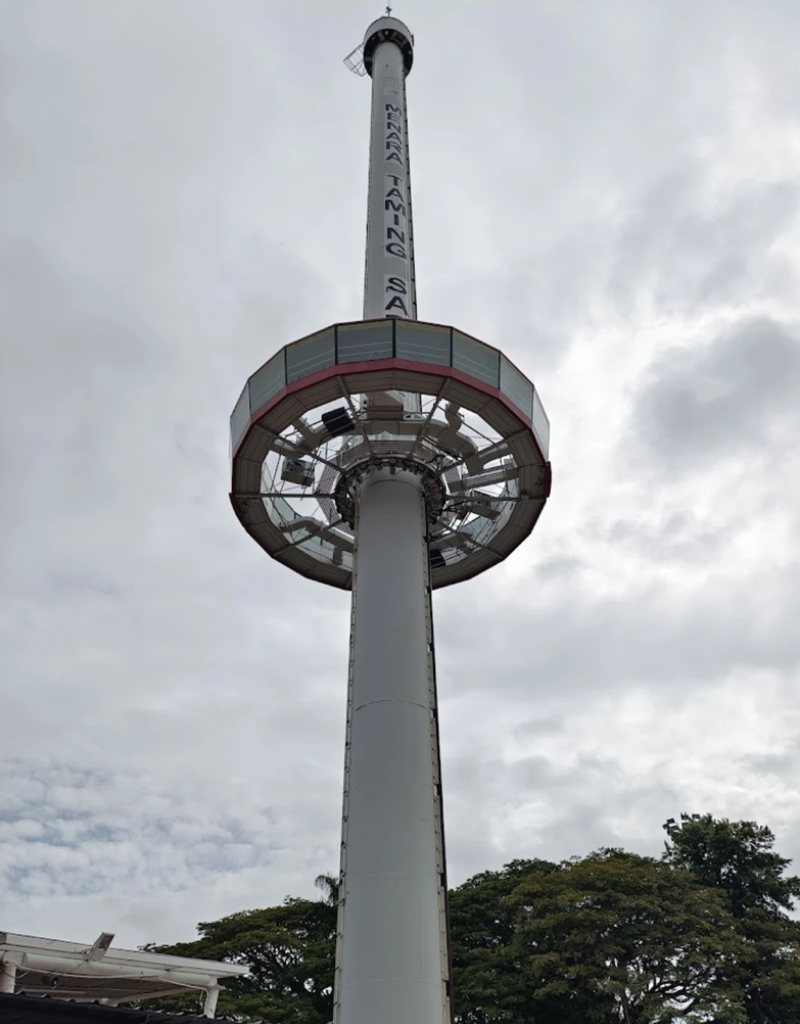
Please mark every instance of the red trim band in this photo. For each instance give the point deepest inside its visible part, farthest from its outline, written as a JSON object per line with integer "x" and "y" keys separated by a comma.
{"x": 378, "y": 365}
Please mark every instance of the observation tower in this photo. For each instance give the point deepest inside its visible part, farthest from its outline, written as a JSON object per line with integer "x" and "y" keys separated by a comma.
{"x": 387, "y": 457}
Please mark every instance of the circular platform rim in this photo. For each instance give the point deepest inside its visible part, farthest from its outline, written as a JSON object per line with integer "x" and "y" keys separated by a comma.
{"x": 460, "y": 571}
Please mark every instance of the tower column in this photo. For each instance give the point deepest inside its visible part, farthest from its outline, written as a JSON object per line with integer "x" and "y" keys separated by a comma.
{"x": 389, "y": 285}
{"x": 392, "y": 941}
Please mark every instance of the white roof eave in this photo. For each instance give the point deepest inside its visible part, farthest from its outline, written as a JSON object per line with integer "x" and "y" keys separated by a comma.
{"x": 129, "y": 962}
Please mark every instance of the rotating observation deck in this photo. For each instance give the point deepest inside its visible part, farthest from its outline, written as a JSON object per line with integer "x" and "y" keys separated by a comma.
{"x": 406, "y": 395}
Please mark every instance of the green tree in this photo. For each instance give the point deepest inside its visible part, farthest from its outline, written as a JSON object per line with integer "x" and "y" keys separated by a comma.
{"x": 632, "y": 939}
{"x": 738, "y": 859}
{"x": 489, "y": 984}
{"x": 488, "y": 987}
{"x": 736, "y": 856}
{"x": 704, "y": 935}
{"x": 289, "y": 951}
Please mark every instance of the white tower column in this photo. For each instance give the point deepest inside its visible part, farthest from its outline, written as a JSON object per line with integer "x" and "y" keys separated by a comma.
{"x": 392, "y": 961}
{"x": 390, "y": 286}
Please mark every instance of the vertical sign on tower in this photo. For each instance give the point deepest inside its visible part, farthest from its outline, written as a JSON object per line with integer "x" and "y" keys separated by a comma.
{"x": 396, "y": 284}
{"x": 389, "y": 284}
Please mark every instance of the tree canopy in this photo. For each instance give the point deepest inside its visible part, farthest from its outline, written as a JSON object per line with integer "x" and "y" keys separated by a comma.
{"x": 737, "y": 859}
{"x": 701, "y": 936}
{"x": 632, "y": 939}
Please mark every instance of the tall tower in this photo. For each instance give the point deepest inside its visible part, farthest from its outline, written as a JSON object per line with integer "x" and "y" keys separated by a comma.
{"x": 389, "y": 457}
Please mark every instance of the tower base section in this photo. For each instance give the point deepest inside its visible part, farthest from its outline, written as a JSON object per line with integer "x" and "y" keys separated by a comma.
{"x": 392, "y": 962}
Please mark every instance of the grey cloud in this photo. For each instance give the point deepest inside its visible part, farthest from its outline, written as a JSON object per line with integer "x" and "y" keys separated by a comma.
{"x": 783, "y": 765}
{"x": 678, "y": 537}
{"x": 686, "y": 249}
{"x": 547, "y": 725}
{"x": 607, "y": 812}
{"x": 567, "y": 643}
{"x": 723, "y": 400}
{"x": 592, "y": 802}
{"x": 558, "y": 567}
{"x": 173, "y": 703}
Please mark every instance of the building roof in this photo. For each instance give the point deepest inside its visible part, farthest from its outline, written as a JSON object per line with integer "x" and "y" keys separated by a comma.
{"x": 85, "y": 973}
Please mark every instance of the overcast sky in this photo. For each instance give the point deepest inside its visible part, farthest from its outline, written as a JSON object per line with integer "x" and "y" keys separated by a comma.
{"x": 608, "y": 192}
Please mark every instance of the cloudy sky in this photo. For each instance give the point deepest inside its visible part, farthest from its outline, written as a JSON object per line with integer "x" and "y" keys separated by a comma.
{"x": 607, "y": 191}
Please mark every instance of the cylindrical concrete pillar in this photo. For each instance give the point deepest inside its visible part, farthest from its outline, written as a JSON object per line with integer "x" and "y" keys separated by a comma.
{"x": 393, "y": 942}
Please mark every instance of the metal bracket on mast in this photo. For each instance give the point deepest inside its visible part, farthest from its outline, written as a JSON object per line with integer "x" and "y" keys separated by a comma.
{"x": 355, "y": 61}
